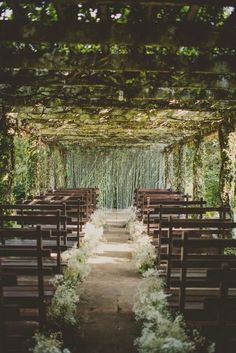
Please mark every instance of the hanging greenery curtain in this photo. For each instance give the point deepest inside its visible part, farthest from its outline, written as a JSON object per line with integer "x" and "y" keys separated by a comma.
{"x": 115, "y": 171}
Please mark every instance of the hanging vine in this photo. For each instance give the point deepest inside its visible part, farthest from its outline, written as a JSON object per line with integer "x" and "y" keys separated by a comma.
{"x": 115, "y": 171}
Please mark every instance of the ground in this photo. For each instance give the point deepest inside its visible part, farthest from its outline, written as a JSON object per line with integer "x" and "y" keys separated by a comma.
{"x": 106, "y": 308}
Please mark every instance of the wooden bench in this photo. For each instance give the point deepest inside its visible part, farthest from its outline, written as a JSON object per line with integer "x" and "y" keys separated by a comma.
{"x": 22, "y": 298}
{"x": 203, "y": 287}
{"x": 54, "y": 223}
{"x": 190, "y": 209}
{"x": 196, "y": 228}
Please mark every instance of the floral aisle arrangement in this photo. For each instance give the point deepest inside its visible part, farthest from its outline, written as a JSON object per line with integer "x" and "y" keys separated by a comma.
{"x": 51, "y": 344}
{"x": 144, "y": 255}
{"x": 143, "y": 251}
{"x": 63, "y": 307}
{"x": 133, "y": 226}
{"x": 64, "y": 303}
{"x": 161, "y": 332}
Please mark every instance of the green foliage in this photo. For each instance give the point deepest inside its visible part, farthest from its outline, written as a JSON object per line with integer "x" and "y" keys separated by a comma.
{"x": 31, "y": 172}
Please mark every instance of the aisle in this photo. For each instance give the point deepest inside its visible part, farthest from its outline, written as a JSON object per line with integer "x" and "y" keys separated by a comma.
{"x": 108, "y": 297}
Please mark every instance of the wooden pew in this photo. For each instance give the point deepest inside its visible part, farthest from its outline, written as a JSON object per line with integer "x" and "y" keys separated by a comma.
{"x": 204, "y": 289}
{"x": 197, "y": 228}
{"x": 47, "y": 222}
{"x": 22, "y": 298}
{"x": 153, "y": 216}
{"x": 80, "y": 204}
{"x": 147, "y": 197}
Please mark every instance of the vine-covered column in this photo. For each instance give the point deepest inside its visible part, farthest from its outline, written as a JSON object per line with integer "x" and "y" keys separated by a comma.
{"x": 198, "y": 175}
{"x": 63, "y": 157}
{"x": 161, "y": 171}
{"x": 168, "y": 167}
{"x": 227, "y": 140}
{"x": 58, "y": 166}
{"x": 7, "y": 156}
{"x": 33, "y": 167}
{"x": 179, "y": 167}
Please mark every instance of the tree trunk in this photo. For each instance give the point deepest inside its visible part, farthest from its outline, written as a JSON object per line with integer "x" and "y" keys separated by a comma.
{"x": 227, "y": 140}
{"x": 7, "y": 157}
{"x": 198, "y": 177}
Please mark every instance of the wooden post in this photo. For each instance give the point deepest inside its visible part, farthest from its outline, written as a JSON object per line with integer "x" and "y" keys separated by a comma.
{"x": 223, "y": 298}
{"x": 7, "y": 157}
{"x": 169, "y": 254}
{"x": 179, "y": 168}
{"x": 59, "y": 241}
{"x": 198, "y": 179}
{"x": 168, "y": 168}
{"x": 79, "y": 221}
{"x": 227, "y": 140}
{"x": 183, "y": 273}
{"x": 40, "y": 277}
{"x": 3, "y": 341}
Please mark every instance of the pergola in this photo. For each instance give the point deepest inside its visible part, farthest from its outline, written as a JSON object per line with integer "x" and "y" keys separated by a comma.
{"x": 121, "y": 73}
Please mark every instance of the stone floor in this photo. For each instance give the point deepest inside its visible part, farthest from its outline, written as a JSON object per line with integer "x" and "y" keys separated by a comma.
{"x": 108, "y": 295}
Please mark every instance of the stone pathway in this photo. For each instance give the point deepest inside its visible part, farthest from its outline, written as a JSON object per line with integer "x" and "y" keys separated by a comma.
{"x": 109, "y": 325}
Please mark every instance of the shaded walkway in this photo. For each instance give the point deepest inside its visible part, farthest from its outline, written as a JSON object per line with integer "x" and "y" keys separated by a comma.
{"x": 109, "y": 325}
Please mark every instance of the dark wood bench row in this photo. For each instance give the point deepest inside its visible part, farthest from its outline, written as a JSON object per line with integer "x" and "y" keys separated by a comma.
{"x": 32, "y": 236}
{"x": 192, "y": 256}
{"x": 24, "y": 287}
{"x": 191, "y": 259}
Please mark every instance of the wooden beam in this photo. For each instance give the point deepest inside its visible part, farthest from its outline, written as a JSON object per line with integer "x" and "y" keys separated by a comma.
{"x": 119, "y": 80}
{"x": 152, "y": 2}
{"x": 67, "y": 10}
{"x": 86, "y": 101}
{"x": 139, "y": 94}
{"x": 183, "y": 34}
{"x": 56, "y": 61}
{"x": 163, "y": 2}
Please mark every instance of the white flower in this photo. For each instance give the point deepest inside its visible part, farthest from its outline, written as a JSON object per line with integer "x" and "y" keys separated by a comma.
{"x": 144, "y": 254}
{"x": 135, "y": 228}
{"x": 50, "y": 344}
{"x": 66, "y": 296}
{"x": 64, "y": 304}
{"x": 92, "y": 237}
{"x": 98, "y": 218}
{"x": 76, "y": 271}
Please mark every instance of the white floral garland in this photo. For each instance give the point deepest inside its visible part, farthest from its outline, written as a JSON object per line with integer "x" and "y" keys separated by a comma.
{"x": 143, "y": 254}
{"x": 50, "y": 344}
{"x": 161, "y": 333}
{"x": 63, "y": 308}
{"x": 67, "y": 293}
